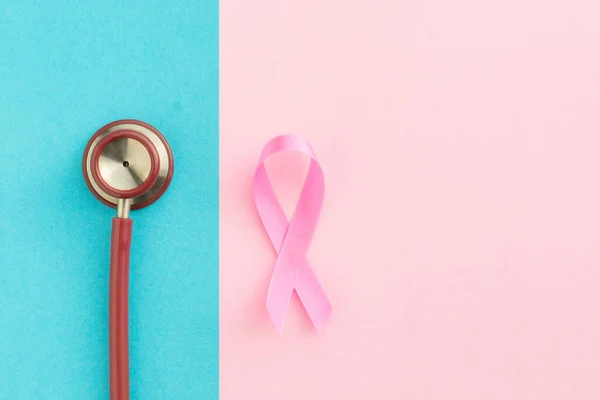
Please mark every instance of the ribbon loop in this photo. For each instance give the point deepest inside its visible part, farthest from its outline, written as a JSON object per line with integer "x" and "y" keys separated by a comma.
{"x": 291, "y": 240}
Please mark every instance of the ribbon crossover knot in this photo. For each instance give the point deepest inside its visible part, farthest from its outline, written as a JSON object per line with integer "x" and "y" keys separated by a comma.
{"x": 291, "y": 239}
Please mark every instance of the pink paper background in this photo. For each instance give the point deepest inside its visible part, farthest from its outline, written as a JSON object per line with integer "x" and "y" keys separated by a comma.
{"x": 459, "y": 238}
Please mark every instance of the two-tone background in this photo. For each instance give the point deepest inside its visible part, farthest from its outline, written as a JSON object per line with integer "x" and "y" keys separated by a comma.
{"x": 459, "y": 237}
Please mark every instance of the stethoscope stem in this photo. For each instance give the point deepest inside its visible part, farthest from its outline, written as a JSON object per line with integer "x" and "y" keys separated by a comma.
{"x": 123, "y": 207}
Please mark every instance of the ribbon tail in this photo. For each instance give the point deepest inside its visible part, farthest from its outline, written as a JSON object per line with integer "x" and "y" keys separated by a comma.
{"x": 280, "y": 293}
{"x": 313, "y": 297}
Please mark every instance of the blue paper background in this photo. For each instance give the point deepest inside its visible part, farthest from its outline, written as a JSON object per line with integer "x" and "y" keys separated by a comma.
{"x": 66, "y": 69}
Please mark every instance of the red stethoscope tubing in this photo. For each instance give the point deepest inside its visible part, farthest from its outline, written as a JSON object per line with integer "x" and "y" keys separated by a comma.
{"x": 119, "y": 308}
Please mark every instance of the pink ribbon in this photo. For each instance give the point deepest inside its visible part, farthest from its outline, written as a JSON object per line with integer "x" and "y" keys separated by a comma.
{"x": 292, "y": 239}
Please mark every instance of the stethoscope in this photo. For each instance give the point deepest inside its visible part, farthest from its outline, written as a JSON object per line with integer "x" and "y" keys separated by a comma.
{"x": 127, "y": 165}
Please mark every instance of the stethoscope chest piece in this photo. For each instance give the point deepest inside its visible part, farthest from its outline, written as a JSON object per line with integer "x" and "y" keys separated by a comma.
{"x": 128, "y": 159}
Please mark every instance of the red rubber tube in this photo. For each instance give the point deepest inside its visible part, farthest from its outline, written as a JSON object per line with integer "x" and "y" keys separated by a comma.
{"x": 119, "y": 305}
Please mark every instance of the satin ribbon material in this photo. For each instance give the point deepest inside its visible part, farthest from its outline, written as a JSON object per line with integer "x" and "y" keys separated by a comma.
{"x": 292, "y": 239}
